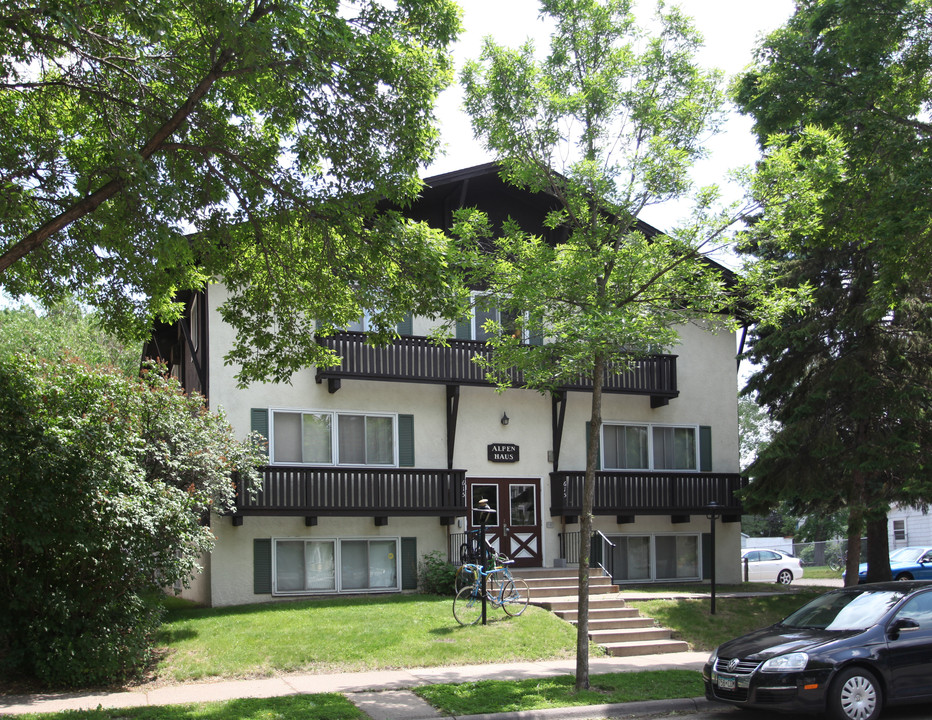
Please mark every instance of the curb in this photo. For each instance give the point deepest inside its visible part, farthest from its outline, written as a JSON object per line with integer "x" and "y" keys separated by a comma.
{"x": 596, "y": 712}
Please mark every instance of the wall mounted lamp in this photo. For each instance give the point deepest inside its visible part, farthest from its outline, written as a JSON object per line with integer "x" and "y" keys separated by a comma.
{"x": 505, "y": 419}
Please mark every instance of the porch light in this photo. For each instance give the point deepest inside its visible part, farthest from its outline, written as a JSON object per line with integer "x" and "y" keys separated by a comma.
{"x": 505, "y": 418}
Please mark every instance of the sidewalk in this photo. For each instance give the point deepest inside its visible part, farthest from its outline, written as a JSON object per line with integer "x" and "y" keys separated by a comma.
{"x": 381, "y": 695}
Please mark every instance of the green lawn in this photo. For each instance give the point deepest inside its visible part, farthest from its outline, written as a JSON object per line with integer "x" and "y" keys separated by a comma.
{"x": 349, "y": 635}
{"x": 403, "y": 631}
{"x": 488, "y": 696}
{"x": 352, "y": 634}
{"x": 326, "y": 706}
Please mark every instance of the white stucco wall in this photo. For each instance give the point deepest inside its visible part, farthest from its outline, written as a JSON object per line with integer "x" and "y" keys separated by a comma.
{"x": 706, "y": 372}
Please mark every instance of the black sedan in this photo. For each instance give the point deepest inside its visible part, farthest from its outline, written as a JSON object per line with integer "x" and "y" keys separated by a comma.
{"x": 850, "y": 652}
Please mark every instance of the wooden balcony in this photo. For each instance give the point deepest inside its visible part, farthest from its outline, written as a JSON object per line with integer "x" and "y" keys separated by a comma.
{"x": 419, "y": 360}
{"x": 301, "y": 491}
{"x": 647, "y": 493}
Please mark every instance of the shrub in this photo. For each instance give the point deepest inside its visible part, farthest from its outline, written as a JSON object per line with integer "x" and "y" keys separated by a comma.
{"x": 104, "y": 482}
{"x": 435, "y": 574}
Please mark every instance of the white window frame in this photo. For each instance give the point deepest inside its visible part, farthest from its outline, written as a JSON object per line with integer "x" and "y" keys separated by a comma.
{"x": 474, "y": 326}
{"x": 650, "y": 445}
{"x": 334, "y": 436}
{"x": 899, "y": 530}
{"x": 653, "y": 554}
{"x": 337, "y": 565}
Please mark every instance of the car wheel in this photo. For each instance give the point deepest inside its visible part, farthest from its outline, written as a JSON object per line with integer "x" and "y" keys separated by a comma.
{"x": 785, "y": 577}
{"x": 855, "y": 695}
{"x": 903, "y": 576}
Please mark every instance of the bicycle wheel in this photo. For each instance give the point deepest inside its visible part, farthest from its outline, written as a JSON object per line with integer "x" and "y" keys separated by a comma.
{"x": 515, "y": 596}
{"x": 467, "y": 606}
{"x": 465, "y": 577}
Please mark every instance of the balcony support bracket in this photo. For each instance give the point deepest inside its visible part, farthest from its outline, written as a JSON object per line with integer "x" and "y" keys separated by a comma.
{"x": 310, "y": 520}
{"x": 333, "y": 384}
{"x": 237, "y": 520}
{"x": 679, "y": 519}
{"x": 381, "y": 520}
{"x": 625, "y": 519}
{"x": 558, "y": 415}
{"x": 453, "y": 409}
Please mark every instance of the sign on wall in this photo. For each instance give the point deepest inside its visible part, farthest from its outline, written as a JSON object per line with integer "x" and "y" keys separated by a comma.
{"x": 503, "y": 452}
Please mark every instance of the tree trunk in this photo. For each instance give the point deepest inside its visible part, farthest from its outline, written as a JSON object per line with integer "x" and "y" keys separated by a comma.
{"x": 855, "y": 527}
{"x": 878, "y": 549}
{"x": 585, "y": 528}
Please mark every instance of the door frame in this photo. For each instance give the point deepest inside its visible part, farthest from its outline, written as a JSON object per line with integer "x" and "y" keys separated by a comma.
{"x": 526, "y": 546}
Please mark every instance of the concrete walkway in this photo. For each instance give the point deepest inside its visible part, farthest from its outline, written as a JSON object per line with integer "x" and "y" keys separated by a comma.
{"x": 382, "y": 695}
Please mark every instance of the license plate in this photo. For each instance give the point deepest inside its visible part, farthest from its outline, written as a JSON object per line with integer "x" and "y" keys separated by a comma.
{"x": 726, "y": 682}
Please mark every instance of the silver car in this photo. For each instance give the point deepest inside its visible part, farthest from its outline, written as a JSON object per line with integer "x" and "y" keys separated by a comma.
{"x": 765, "y": 565}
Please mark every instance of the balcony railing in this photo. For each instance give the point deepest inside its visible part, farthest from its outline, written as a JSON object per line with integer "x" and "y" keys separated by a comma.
{"x": 355, "y": 491}
{"x": 418, "y": 359}
{"x": 646, "y": 493}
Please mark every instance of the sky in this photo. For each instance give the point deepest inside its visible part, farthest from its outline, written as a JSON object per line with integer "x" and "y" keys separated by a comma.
{"x": 731, "y": 28}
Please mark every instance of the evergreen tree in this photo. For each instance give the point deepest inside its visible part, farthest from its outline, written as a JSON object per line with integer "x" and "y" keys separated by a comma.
{"x": 838, "y": 97}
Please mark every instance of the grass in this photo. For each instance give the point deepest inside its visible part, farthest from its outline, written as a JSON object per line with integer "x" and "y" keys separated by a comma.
{"x": 692, "y": 621}
{"x": 325, "y": 706}
{"x": 821, "y": 572}
{"x": 488, "y": 696}
{"x": 349, "y": 635}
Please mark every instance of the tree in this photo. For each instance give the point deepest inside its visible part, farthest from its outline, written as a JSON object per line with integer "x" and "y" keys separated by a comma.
{"x": 629, "y": 114}
{"x": 839, "y": 97}
{"x": 64, "y": 332}
{"x": 104, "y": 482}
{"x": 147, "y": 148}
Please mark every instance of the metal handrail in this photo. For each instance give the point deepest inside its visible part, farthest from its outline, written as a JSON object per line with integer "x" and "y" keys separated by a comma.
{"x": 610, "y": 571}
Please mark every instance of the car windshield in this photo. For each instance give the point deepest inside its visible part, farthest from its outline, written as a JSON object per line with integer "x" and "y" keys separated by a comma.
{"x": 857, "y": 610}
{"x": 906, "y": 555}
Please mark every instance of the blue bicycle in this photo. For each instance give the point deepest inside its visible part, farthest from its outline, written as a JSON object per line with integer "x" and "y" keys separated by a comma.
{"x": 501, "y": 590}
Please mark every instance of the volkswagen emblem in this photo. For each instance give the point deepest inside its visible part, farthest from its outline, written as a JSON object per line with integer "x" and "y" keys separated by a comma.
{"x": 733, "y": 664}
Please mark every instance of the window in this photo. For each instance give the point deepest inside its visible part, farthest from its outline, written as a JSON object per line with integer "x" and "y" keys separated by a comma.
{"x": 899, "y": 530}
{"x": 656, "y": 557}
{"x": 473, "y": 327}
{"x": 327, "y": 565}
{"x": 649, "y": 447}
{"x": 322, "y": 438}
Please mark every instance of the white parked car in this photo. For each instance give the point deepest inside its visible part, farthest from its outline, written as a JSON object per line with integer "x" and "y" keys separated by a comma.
{"x": 764, "y": 565}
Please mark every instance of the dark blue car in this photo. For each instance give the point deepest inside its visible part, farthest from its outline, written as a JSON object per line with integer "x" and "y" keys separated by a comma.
{"x": 850, "y": 652}
{"x": 908, "y": 563}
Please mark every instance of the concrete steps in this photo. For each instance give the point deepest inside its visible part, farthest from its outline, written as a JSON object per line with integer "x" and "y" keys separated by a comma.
{"x": 620, "y": 629}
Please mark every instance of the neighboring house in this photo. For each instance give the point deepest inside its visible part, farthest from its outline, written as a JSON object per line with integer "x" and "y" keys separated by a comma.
{"x": 375, "y": 463}
{"x": 909, "y": 526}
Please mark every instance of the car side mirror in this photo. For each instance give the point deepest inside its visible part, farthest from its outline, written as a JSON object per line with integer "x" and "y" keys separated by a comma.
{"x": 903, "y": 625}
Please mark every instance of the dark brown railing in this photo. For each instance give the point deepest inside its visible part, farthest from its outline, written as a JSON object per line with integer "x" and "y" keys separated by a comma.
{"x": 359, "y": 491}
{"x": 646, "y": 493}
{"x": 418, "y": 359}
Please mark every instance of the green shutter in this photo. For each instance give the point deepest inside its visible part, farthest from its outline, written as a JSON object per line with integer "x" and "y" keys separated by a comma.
{"x": 262, "y": 566}
{"x": 259, "y": 422}
{"x": 408, "y": 563}
{"x": 464, "y": 329}
{"x": 406, "y": 440}
{"x": 406, "y": 326}
{"x": 705, "y": 448}
{"x": 598, "y": 454}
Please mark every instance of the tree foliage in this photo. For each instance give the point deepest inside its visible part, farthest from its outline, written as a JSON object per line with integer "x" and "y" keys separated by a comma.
{"x": 62, "y": 332}
{"x": 606, "y": 124}
{"x": 148, "y": 147}
{"x": 840, "y": 97}
{"x": 104, "y": 482}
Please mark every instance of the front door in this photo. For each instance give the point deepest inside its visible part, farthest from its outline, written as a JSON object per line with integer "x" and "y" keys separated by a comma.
{"x": 514, "y": 529}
